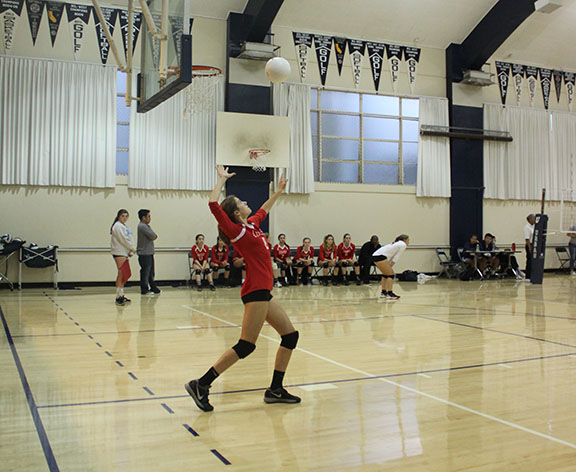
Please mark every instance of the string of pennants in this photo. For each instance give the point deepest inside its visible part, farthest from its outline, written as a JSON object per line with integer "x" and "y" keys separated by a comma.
{"x": 78, "y": 16}
{"x": 377, "y": 53}
{"x": 518, "y": 72}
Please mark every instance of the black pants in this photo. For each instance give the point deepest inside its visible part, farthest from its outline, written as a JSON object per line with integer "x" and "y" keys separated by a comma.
{"x": 528, "y": 270}
{"x": 146, "y": 273}
{"x": 365, "y": 266}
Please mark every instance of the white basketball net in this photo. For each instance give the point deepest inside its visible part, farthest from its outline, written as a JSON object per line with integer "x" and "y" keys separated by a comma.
{"x": 200, "y": 94}
{"x": 257, "y": 158}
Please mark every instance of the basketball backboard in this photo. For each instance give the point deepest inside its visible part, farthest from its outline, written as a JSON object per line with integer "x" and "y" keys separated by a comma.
{"x": 175, "y": 55}
{"x": 238, "y": 133}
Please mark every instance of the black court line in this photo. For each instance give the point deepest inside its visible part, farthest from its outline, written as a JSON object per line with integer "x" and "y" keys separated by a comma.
{"x": 220, "y": 456}
{"x": 190, "y": 430}
{"x": 494, "y": 331}
{"x": 44, "y": 441}
{"x": 167, "y": 408}
{"x": 355, "y": 379}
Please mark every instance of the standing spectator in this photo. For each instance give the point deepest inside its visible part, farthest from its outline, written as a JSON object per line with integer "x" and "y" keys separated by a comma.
{"x": 572, "y": 248}
{"x": 145, "y": 251}
{"x": 122, "y": 248}
{"x": 365, "y": 258}
{"x": 528, "y": 233}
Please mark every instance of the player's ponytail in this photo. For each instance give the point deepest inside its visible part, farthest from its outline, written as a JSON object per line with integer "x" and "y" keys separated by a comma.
{"x": 402, "y": 237}
{"x": 229, "y": 205}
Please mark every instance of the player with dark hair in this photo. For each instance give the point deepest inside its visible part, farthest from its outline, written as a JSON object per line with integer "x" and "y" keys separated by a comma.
{"x": 385, "y": 258}
{"x": 304, "y": 258}
{"x": 122, "y": 248}
{"x": 282, "y": 258}
{"x": 200, "y": 255}
{"x": 219, "y": 259}
{"x": 347, "y": 258}
{"x": 327, "y": 259}
{"x": 236, "y": 226}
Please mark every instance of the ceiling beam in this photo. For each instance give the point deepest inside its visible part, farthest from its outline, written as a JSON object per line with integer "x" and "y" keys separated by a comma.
{"x": 261, "y": 14}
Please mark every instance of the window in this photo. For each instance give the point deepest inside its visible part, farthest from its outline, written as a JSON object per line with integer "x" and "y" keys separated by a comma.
{"x": 364, "y": 138}
{"x": 122, "y": 125}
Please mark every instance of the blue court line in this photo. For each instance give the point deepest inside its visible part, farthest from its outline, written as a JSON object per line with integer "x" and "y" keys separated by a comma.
{"x": 90, "y": 337}
{"x": 132, "y": 375}
{"x": 107, "y": 353}
{"x": 355, "y": 379}
{"x": 98, "y": 344}
{"x": 220, "y": 456}
{"x": 495, "y": 331}
{"x": 44, "y": 441}
{"x": 190, "y": 430}
{"x": 120, "y": 363}
{"x": 167, "y": 408}
{"x": 146, "y": 389}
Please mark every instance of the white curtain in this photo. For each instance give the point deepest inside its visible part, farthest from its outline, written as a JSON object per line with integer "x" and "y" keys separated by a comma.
{"x": 171, "y": 152}
{"x": 293, "y": 101}
{"x": 564, "y": 152}
{"x": 57, "y": 123}
{"x": 522, "y": 168}
{"x": 433, "y": 179}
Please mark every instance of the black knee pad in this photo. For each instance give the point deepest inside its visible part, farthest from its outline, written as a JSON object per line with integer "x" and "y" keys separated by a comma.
{"x": 282, "y": 265}
{"x": 388, "y": 276}
{"x": 345, "y": 263}
{"x": 290, "y": 340}
{"x": 300, "y": 264}
{"x": 244, "y": 348}
{"x": 207, "y": 271}
{"x": 197, "y": 271}
{"x": 356, "y": 264}
{"x": 326, "y": 265}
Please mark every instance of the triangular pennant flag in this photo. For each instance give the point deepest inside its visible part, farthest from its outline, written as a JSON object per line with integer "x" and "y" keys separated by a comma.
{"x": 570, "y": 81}
{"x": 503, "y": 72}
{"x": 35, "y": 8}
{"x": 518, "y": 76}
{"x": 394, "y": 55}
{"x": 137, "y": 22}
{"x": 323, "y": 46}
{"x": 546, "y": 84}
{"x": 376, "y": 56}
{"x": 10, "y": 11}
{"x": 303, "y": 43}
{"x": 532, "y": 77}
{"x": 412, "y": 58}
{"x": 55, "y": 11}
{"x": 109, "y": 15}
{"x": 176, "y": 25}
{"x": 557, "y": 83}
{"x": 340, "y": 48}
{"x": 79, "y": 16}
{"x": 356, "y": 49}
{"x": 155, "y": 43}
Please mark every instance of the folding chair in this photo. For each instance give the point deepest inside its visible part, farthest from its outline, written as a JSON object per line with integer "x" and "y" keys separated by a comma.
{"x": 448, "y": 265}
{"x": 563, "y": 257}
{"x": 6, "y": 252}
{"x": 39, "y": 258}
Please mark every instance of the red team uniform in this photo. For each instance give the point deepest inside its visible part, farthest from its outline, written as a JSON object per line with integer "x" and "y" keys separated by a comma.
{"x": 199, "y": 255}
{"x": 219, "y": 256}
{"x": 281, "y": 253}
{"x": 251, "y": 241}
{"x": 345, "y": 253}
{"x": 327, "y": 255}
{"x": 301, "y": 254}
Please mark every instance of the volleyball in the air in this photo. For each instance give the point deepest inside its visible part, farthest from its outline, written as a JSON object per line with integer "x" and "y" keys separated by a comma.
{"x": 277, "y": 69}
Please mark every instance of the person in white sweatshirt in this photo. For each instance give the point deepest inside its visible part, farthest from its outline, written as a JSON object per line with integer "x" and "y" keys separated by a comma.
{"x": 122, "y": 247}
{"x": 385, "y": 258}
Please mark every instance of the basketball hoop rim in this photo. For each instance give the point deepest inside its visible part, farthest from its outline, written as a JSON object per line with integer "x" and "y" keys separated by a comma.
{"x": 254, "y": 153}
{"x": 205, "y": 71}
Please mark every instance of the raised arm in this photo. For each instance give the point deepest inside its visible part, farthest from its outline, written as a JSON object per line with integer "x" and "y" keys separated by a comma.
{"x": 268, "y": 204}
{"x": 223, "y": 176}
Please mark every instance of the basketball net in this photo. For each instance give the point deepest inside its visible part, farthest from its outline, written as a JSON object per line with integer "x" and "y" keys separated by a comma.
{"x": 257, "y": 158}
{"x": 200, "y": 92}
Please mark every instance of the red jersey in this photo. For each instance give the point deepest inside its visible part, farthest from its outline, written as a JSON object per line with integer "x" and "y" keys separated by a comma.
{"x": 302, "y": 254}
{"x": 327, "y": 254}
{"x": 219, "y": 256}
{"x": 281, "y": 253}
{"x": 237, "y": 254}
{"x": 199, "y": 255}
{"x": 346, "y": 252}
{"x": 252, "y": 242}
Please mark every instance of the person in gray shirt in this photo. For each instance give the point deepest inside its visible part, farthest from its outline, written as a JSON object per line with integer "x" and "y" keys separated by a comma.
{"x": 572, "y": 248}
{"x": 145, "y": 251}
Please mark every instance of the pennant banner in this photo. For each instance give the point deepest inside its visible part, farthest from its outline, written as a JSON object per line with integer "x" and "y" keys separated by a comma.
{"x": 35, "y": 8}
{"x": 176, "y": 24}
{"x": 557, "y": 83}
{"x": 546, "y": 84}
{"x": 123, "y": 17}
{"x": 376, "y": 56}
{"x": 394, "y": 55}
{"x": 323, "y": 46}
{"x": 10, "y": 11}
{"x": 532, "y": 76}
{"x": 570, "y": 81}
{"x": 55, "y": 11}
{"x": 302, "y": 42}
{"x": 356, "y": 49}
{"x": 412, "y": 58}
{"x": 518, "y": 76}
{"x": 155, "y": 43}
{"x": 503, "y": 71}
{"x": 79, "y": 16}
{"x": 340, "y": 48}
{"x": 109, "y": 15}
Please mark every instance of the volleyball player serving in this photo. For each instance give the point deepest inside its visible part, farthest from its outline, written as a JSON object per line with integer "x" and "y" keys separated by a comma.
{"x": 236, "y": 226}
{"x": 385, "y": 258}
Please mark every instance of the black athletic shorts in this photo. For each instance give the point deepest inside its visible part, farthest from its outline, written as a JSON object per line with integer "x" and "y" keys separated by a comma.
{"x": 116, "y": 256}
{"x": 257, "y": 296}
{"x": 379, "y": 258}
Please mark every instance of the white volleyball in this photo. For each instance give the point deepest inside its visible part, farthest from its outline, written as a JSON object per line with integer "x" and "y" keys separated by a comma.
{"x": 277, "y": 69}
